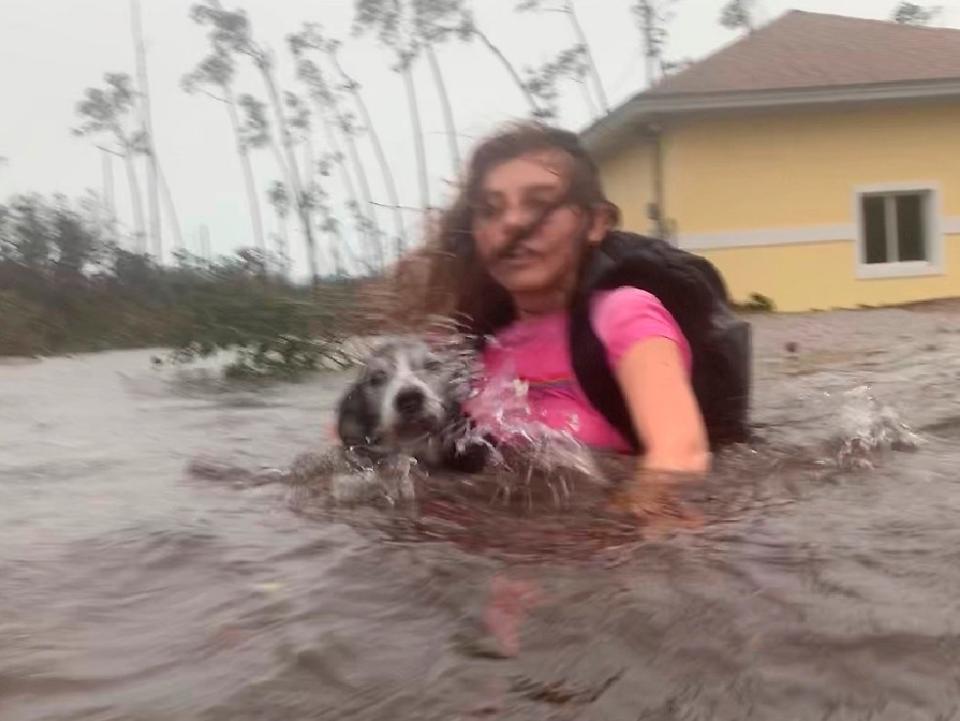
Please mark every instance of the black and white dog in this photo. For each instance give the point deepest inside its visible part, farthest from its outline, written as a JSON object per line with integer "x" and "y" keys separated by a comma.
{"x": 407, "y": 400}
{"x": 403, "y": 416}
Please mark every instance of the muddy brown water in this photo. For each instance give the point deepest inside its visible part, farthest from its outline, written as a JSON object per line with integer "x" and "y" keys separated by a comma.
{"x": 825, "y": 584}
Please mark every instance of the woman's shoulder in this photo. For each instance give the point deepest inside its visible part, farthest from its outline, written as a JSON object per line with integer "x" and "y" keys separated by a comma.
{"x": 625, "y": 301}
{"x": 627, "y": 315}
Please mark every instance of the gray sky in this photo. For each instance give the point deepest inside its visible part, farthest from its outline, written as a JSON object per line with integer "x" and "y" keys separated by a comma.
{"x": 50, "y": 50}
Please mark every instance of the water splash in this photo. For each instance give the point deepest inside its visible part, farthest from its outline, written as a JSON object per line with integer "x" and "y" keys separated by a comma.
{"x": 867, "y": 427}
{"x": 532, "y": 457}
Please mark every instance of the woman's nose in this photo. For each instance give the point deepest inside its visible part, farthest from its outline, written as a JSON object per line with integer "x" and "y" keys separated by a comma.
{"x": 514, "y": 218}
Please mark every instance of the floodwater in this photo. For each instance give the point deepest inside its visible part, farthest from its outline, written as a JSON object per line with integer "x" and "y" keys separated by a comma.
{"x": 825, "y": 583}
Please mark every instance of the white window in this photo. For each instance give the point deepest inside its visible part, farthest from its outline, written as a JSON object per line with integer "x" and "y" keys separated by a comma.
{"x": 899, "y": 231}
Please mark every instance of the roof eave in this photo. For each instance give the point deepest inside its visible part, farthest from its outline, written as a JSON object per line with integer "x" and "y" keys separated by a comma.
{"x": 650, "y": 106}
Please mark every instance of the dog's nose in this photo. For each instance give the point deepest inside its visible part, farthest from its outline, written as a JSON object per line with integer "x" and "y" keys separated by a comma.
{"x": 409, "y": 401}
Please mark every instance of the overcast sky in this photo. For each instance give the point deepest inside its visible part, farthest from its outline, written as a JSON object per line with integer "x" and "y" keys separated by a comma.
{"x": 50, "y": 50}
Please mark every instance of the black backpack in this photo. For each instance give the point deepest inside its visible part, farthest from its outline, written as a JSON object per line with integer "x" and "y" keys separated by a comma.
{"x": 693, "y": 291}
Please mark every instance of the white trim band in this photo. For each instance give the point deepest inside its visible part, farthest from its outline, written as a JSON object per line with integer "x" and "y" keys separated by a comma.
{"x": 768, "y": 236}
{"x": 796, "y": 235}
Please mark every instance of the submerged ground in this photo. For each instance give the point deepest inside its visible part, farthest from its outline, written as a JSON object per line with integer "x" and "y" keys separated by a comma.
{"x": 825, "y": 584}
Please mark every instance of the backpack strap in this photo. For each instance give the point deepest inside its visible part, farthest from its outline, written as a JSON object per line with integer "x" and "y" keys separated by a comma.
{"x": 592, "y": 369}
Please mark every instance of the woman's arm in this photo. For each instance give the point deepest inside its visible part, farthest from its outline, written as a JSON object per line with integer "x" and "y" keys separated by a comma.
{"x": 667, "y": 418}
{"x": 663, "y": 407}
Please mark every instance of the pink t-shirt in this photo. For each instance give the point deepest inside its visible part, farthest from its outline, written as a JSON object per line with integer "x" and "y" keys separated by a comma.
{"x": 527, "y": 365}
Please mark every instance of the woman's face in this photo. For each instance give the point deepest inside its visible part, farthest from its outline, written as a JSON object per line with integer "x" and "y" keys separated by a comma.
{"x": 527, "y": 257}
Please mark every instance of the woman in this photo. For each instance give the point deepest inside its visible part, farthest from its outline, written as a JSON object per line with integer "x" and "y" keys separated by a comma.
{"x": 511, "y": 252}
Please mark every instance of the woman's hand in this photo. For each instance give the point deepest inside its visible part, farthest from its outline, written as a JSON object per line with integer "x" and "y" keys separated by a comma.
{"x": 654, "y": 498}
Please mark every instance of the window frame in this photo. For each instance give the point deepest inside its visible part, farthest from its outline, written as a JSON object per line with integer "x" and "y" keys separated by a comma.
{"x": 933, "y": 238}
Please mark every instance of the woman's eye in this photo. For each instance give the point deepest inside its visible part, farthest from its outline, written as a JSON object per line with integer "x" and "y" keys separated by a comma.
{"x": 377, "y": 378}
{"x": 485, "y": 210}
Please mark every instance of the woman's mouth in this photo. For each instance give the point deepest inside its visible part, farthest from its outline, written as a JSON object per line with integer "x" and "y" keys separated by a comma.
{"x": 518, "y": 255}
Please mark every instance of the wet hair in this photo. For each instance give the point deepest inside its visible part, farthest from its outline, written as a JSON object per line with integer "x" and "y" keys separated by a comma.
{"x": 457, "y": 283}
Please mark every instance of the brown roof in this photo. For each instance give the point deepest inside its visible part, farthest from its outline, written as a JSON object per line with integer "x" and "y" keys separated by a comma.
{"x": 805, "y": 50}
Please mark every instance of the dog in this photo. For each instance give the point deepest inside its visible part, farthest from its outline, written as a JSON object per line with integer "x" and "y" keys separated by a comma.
{"x": 407, "y": 401}
{"x": 401, "y": 418}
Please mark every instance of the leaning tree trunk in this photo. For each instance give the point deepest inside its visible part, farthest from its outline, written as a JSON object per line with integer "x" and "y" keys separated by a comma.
{"x": 388, "y": 179}
{"x": 448, "y": 120}
{"x": 283, "y": 249}
{"x": 293, "y": 171}
{"x": 283, "y": 236}
{"x": 308, "y": 164}
{"x": 591, "y": 64}
{"x": 171, "y": 209}
{"x": 508, "y": 66}
{"x": 374, "y": 229}
{"x": 153, "y": 193}
{"x": 253, "y": 202}
{"x": 136, "y": 204}
{"x": 109, "y": 202}
{"x": 346, "y": 180}
{"x": 406, "y": 70}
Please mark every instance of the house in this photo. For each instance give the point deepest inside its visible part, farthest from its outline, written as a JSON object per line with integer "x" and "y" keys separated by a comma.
{"x": 815, "y": 161}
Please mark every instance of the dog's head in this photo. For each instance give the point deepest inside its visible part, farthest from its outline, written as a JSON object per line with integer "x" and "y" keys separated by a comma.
{"x": 405, "y": 394}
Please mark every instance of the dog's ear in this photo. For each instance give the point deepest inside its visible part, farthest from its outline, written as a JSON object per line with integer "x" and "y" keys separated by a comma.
{"x": 356, "y": 420}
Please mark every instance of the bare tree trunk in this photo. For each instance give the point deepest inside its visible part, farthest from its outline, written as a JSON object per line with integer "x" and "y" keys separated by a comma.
{"x": 253, "y": 202}
{"x": 283, "y": 244}
{"x": 308, "y": 162}
{"x": 388, "y": 179}
{"x": 206, "y": 251}
{"x": 406, "y": 70}
{"x": 508, "y": 66}
{"x": 451, "y": 127}
{"x": 346, "y": 180}
{"x": 374, "y": 229}
{"x": 303, "y": 211}
{"x": 588, "y": 98}
{"x": 582, "y": 39}
{"x": 171, "y": 209}
{"x": 283, "y": 236}
{"x": 153, "y": 196}
{"x": 648, "y": 31}
{"x": 109, "y": 204}
{"x": 136, "y": 204}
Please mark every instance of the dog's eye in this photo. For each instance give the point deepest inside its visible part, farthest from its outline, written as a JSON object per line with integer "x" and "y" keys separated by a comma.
{"x": 432, "y": 364}
{"x": 377, "y": 378}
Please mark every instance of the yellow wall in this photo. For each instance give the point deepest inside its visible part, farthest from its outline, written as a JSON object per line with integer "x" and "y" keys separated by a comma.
{"x": 800, "y": 168}
{"x": 822, "y": 276}
{"x": 790, "y": 170}
{"x": 628, "y": 181}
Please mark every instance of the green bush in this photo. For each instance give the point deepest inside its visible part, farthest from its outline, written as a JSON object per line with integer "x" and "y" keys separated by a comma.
{"x": 67, "y": 286}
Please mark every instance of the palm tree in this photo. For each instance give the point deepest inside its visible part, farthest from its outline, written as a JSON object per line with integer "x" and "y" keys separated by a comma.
{"x": 106, "y": 111}
{"x": 337, "y": 123}
{"x": 146, "y": 126}
{"x": 232, "y": 30}
{"x": 217, "y": 71}
{"x": 652, "y": 17}
{"x": 568, "y": 8}
{"x": 907, "y": 13}
{"x": 351, "y": 86}
{"x": 393, "y": 22}
{"x": 738, "y": 15}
